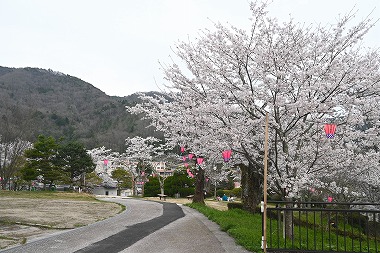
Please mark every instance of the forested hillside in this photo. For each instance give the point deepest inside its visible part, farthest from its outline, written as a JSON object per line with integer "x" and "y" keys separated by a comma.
{"x": 37, "y": 101}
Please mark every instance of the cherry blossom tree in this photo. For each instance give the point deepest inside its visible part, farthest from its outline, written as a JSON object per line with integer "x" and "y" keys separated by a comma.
{"x": 11, "y": 155}
{"x": 142, "y": 151}
{"x": 106, "y": 160}
{"x": 303, "y": 76}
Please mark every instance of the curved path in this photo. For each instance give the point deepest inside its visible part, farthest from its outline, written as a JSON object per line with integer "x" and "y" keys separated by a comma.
{"x": 145, "y": 226}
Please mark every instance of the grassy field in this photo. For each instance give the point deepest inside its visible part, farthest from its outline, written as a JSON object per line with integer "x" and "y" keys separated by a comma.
{"x": 246, "y": 229}
{"x": 241, "y": 225}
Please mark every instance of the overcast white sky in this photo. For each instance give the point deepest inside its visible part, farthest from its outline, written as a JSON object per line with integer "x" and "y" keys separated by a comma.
{"x": 115, "y": 45}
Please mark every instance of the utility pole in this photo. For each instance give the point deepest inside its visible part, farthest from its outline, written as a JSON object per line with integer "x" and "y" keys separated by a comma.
{"x": 264, "y": 206}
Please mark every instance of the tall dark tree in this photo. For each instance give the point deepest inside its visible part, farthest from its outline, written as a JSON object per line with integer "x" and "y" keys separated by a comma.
{"x": 74, "y": 160}
{"x": 42, "y": 160}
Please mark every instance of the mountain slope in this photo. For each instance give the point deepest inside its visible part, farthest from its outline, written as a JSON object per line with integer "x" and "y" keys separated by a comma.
{"x": 37, "y": 101}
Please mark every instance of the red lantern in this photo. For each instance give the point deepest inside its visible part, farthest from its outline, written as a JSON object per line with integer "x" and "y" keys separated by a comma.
{"x": 330, "y": 130}
{"x": 182, "y": 149}
{"x": 226, "y": 155}
{"x": 191, "y": 156}
{"x": 329, "y": 199}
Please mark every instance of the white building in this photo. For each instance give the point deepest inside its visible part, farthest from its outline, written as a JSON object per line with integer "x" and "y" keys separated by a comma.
{"x": 161, "y": 169}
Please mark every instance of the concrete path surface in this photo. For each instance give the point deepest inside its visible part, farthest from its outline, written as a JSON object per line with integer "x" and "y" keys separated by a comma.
{"x": 145, "y": 226}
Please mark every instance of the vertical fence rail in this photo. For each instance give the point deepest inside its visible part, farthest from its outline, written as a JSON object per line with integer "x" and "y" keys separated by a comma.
{"x": 323, "y": 227}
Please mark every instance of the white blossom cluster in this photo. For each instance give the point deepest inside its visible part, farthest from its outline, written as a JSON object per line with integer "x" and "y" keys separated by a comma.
{"x": 10, "y": 154}
{"x": 302, "y": 76}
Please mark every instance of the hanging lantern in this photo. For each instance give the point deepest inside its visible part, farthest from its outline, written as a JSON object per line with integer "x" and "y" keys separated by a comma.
{"x": 330, "y": 130}
{"x": 199, "y": 160}
{"x": 182, "y": 149}
{"x": 329, "y": 199}
{"x": 105, "y": 162}
{"x": 226, "y": 155}
{"x": 186, "y": 165}
{"x": 191, "y": 156}
{"x": 184, "y": 158}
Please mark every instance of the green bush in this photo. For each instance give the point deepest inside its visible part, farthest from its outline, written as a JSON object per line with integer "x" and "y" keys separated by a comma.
{"x": 236, "y": 192}
{"x": 179, "y": 183}
{"x": 220, "y": 193}
{"x": 232, "y": 205}
{"x": 152, "y": 188}
{"x": 183, "y": 192}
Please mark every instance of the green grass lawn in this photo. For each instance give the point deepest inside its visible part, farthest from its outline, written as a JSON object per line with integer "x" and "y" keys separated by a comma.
{"x": 246, "y": 229}
{"x": 241, "y": 225}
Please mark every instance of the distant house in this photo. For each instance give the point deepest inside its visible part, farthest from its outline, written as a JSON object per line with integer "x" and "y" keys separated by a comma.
{"x": 126, "y": 192}
{"x": 108, "y": 187}
{"x": 105, "y": 190}
{"x": 161, "y": 169}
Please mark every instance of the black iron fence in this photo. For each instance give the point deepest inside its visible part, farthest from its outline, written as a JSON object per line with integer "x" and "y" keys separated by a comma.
{"x": 323, "y": 227}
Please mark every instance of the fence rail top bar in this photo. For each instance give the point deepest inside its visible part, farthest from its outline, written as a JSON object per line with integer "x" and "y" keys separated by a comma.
{"x": 324, "y": 203}
{"x": 322, "y": 209}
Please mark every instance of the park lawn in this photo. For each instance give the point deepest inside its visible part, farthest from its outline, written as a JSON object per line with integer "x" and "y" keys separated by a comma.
{"x": 245, "y": 228}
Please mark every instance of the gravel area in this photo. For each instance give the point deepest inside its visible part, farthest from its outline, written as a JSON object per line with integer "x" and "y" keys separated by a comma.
{"x": 24, "y": 219}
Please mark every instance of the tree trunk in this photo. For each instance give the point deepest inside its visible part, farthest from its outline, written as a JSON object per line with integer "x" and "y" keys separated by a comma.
{"x": 251, "y": 184}
{"x": 199, "y": 186}
{"x": 162, "y": 189}
{"x": 288, "y": 221}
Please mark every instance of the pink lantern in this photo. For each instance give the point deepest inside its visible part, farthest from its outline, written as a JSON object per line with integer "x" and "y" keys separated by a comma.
{"x": 184, "y": 158}
{"x": 330, "y": 130}
{"x": 182, "y": 149}
{"x": 188, "y": 170}
{"x": 191, "y": 156}
{"x": 329, "y": 199}
{"x": 142, "y": 173}
{"x": 226, "y": 155}
{"x": 186, "y": 165}
{"x": 105, "y": 162}
{"x": 199, "y": 160}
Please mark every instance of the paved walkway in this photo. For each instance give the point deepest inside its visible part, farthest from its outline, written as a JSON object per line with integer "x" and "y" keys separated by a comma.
{"x": 145, "y": 226}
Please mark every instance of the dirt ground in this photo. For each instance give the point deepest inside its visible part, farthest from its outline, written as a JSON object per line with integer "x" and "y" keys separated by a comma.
{"x": 22, "y": 219}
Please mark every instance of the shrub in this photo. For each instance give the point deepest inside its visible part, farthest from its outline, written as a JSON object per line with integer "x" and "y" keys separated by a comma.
{"x": 236, "y": 192}
{"x": 183, "y": 192}
{"x": 152, "y": 188}
{"x": 232, "y": 205}
{"x": 220, "y": 193}
{"x": 179, "y": 183}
